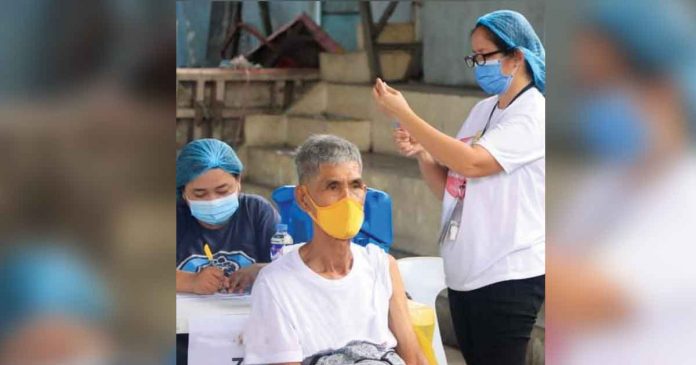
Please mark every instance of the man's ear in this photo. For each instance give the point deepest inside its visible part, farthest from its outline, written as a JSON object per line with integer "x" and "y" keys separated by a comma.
{"x": 300, "y": 196}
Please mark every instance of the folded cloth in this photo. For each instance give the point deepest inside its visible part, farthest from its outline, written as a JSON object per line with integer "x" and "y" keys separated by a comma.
{"x": 354, "y": 352}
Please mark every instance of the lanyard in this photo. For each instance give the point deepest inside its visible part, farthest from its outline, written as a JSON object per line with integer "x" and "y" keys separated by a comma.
{"x": 450, "y": 230}
{"x": 529, "y": 86}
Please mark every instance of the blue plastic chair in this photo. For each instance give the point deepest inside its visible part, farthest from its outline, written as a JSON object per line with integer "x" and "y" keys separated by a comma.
{"x": 377, "y": 227}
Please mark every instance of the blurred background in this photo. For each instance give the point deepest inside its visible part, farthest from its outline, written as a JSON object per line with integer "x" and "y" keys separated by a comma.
{"x": 621, "y": 173}
{"x": 86, "y": 182}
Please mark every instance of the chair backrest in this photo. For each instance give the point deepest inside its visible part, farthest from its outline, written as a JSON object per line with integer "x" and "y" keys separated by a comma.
{"x": 424, "y": 279}
{"x": 377, "y": 227}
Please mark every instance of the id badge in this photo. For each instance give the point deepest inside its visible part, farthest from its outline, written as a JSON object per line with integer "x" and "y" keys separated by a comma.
{"x": 450, "y": 230}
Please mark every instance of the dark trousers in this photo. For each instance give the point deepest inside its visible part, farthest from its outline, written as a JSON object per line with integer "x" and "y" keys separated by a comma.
{"x": 493, "y": 324}
{"x": 182, "y": 341}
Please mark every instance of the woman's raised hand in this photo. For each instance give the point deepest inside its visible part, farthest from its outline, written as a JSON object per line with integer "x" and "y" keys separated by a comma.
{"x": 389, "y": 100}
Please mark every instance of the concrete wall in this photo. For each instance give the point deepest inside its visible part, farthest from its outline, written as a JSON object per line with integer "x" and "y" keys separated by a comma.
{"x": 445, "y": 28}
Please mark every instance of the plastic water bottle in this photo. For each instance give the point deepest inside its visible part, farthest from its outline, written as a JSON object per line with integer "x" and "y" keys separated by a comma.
{"x": 279, "y": 240}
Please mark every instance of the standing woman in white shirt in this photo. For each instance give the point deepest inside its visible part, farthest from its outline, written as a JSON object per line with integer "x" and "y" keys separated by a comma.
{"x": 491, "y": 182}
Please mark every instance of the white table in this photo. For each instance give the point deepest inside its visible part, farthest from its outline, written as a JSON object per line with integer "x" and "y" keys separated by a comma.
{"x": 191, "y": 305}
{"x": 214, "y": 325}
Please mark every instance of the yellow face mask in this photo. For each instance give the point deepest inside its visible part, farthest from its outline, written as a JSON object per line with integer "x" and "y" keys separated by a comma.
{"x": 341, "y": 220}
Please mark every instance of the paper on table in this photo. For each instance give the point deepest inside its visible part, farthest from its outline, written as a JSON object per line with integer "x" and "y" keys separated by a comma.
{"x": 214, "y": 296}
{"x": 216, "y": 340}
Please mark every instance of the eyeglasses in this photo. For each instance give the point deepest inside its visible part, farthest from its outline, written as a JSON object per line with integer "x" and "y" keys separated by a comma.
{"x": 479, "y": 59}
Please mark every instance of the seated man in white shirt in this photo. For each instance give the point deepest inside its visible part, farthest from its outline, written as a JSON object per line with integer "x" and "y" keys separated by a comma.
{"x": 329, "y": 292}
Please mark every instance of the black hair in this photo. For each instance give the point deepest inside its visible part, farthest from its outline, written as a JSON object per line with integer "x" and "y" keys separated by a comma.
{"x": 500, "y": 44}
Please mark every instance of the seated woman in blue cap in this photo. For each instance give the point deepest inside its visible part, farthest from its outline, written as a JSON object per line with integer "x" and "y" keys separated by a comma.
{"x": 236, "y": 227}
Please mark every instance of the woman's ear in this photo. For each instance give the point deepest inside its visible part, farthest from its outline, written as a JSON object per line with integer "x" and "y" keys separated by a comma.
{"x": 515, "y": 63}
{"x": 238, "y": 178}
{"x": 519, "y": 58}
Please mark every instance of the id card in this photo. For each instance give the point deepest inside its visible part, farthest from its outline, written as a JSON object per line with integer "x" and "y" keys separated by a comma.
{"x": 450, "y": 230}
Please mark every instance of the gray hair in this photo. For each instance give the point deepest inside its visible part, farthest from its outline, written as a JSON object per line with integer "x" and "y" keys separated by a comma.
{"x": 324, "y": 149}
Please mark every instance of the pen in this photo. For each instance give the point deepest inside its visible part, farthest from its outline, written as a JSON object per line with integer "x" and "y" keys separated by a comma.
{"x": 208, "y": 253}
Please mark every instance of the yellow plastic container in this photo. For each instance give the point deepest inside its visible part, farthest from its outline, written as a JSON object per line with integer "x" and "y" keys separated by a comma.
{"x": 423, "y": 322}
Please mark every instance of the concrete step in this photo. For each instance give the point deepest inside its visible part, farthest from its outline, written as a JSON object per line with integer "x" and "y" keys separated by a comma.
{"x": 392, "y": 33}
{"x": 444, "y": 108}
{"x": 352, "y": 67}
{"x": 416, "y": 211}
{"x": 270, "y": 166}
{"x": 300, "y": 127}
{"x": 349, "y": 67}
{"x": 312, "y": 102}
{"x": 354, "y": 101}
{"x": 265, "y": 130}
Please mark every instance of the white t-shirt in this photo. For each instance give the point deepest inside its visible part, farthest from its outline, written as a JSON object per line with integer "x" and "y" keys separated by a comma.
{"x": 501, "y": 234}
{"x": 297, "y": 313}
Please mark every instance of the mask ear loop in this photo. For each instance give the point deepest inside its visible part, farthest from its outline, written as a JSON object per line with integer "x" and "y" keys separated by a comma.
{"x": 517, "y": 67}
{"x": 514, "y": 71}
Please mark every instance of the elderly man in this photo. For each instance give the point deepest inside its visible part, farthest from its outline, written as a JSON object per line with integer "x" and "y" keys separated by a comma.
{"x": 330, "y": 293}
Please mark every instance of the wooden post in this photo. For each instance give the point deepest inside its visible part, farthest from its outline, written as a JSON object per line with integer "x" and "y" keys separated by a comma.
{"x": 265, "y": 17}
{"x": 218, "y": 105}
{"x": 220, "y": 90}
{"x": 288, "y": 93}
{"x": 236, "y": 19}
{"x": 372, "y": 54}
{"x": 198, "y": 98}
{"x": 415, "y": 65}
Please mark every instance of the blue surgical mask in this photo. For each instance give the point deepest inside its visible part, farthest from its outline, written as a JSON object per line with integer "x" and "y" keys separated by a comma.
{"x": 215, "y": 212}
{"x": 491, "y": 79}
{"x": 612, "y": 126}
